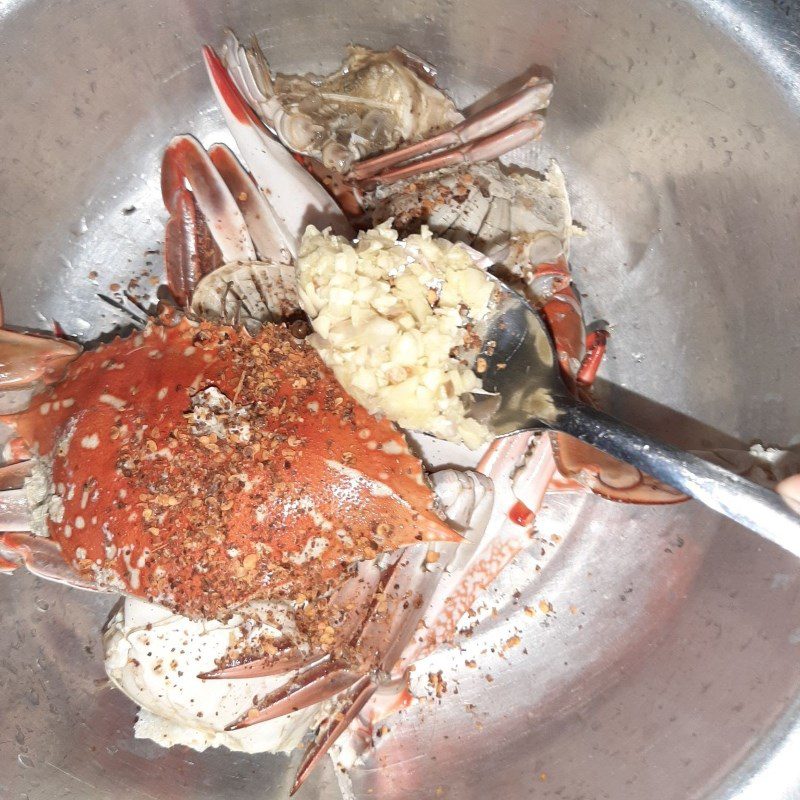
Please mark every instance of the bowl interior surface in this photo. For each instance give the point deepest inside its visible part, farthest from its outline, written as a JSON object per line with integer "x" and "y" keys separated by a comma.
{"x": 668, "y": 669}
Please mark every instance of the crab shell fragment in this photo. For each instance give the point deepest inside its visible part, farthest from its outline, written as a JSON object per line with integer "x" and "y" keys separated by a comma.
{"x": 204, "y": 468}
{"x": 372, "y": 103}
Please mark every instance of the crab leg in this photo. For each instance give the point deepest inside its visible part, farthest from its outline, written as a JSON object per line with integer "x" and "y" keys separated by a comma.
{"x": 243, "y": 227}
{"x": 476, "y": 564}
{"x": 579, "y": 356}
{"x": 533, "y": 96}
{"x": 282, "y": 662}
{"x": 406, "y": 588}
{"x": 398, "y": 604}
{"x": 595, "y": 350}
{"x": 492, "y": 146}
{"x": 311, "y": 687}
{"x": 203, "y": 220}
{"x": 354, "y": 597}
{"x": 273, "y": 242}
{"x": 185, "y": 159}
{"x": 14, "y": 514}
{"x": 19, "y": 547}
{"x": 12, "y": 476}
{"x": 296, "y": 197}
{"x": 26, "y": 359}
{"x": 42, "y": 557}
{"x": 189, "y": 249}
{"x": 358, "y": 695}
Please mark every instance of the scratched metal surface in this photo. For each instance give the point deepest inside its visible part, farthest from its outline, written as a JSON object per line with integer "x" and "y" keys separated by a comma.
{"x": 668, "y": 669}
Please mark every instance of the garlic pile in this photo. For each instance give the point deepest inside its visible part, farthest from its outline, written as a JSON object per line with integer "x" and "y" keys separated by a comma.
{"x": 387, "y": 316}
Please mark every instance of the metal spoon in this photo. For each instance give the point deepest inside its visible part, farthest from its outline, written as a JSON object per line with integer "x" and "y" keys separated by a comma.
{"x": 520, "y": 371}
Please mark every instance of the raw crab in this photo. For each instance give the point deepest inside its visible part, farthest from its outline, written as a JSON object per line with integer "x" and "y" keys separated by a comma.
{"x": 374, "y": 103}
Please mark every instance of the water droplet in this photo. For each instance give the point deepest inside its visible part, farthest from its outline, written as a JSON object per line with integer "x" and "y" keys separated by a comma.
{"x": 25, "y": 760}
{"x": 79, "y": 228}
{"x": 42, "y": 605}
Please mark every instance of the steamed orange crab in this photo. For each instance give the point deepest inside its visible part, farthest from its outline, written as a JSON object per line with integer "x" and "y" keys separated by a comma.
{"x": 170, "y": 449}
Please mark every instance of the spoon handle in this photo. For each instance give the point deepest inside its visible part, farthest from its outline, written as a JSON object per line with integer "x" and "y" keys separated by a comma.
{"x": 749, "y": 504}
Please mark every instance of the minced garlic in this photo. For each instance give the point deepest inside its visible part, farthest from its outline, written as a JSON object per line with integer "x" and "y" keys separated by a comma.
{"x": 387, "y": 317}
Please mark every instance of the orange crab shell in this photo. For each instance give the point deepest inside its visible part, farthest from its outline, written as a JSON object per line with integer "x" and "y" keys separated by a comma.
{"x": 304, "y": 482}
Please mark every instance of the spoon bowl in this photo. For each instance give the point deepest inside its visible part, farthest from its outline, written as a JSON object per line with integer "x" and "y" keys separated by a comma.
{"x": 524, "y": 390}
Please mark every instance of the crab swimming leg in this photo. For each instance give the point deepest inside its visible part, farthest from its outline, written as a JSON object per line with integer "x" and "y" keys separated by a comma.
{"x": 485, "y": 149}
{"x": 493, "y": 127}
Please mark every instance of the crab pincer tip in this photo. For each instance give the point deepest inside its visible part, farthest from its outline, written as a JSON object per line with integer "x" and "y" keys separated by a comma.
{"x": 211, "y": 675}
{"x": 240, "y": 722}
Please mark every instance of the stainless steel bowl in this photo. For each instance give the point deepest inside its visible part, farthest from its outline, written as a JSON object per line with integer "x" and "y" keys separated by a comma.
{"x": 669, "y": 669}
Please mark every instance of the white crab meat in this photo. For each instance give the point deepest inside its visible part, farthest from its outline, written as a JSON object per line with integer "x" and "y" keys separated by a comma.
{"x": 154, "y": 656}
